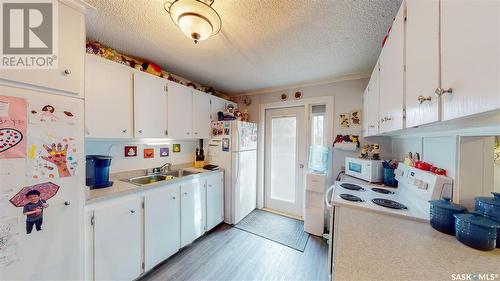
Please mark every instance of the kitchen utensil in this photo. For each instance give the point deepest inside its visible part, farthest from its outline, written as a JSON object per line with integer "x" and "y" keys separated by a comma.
{"x": 438, "y": 171}
{"x": 490, "y": 206}
{"x": 423, "y": 165}
{"x": 97, "y": 170}
{"x": 441, "y": 215}
{"x": 476, "y": 230}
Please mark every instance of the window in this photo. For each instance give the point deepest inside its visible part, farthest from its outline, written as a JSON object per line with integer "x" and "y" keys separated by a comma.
{"x": 318, "y": 125}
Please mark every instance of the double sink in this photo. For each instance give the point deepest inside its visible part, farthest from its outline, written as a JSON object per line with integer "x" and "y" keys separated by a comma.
{"x": 166, "y": 176}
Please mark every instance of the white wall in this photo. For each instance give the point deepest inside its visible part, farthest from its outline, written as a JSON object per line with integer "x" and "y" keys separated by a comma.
{"x": 121, "y": 163}
{"x": 348, "y": 96}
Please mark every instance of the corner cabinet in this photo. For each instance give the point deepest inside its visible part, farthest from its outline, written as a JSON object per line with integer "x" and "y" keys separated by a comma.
{"x": 108, "y": 99}
{"x": 392, "y": 77}
{"x": 68, "y": 76}
{"x": 118, "y": 241}
{"x": 150, "y": 106}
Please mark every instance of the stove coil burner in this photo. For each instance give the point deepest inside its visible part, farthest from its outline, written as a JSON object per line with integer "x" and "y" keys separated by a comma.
{"x": 389, "y": 203}
{"x": 350, "y": 197}
{"x": 381, "y": 190}
{"x": 351, "y": 186}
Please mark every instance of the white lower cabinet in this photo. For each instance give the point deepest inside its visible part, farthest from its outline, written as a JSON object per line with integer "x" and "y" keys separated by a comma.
{"x": 162, "y": 225}
{"x": 118, "y": 241}
{"x": 193, "y": 211}
{"x": 126, "y": 237}
{"x": 215, "y": 200}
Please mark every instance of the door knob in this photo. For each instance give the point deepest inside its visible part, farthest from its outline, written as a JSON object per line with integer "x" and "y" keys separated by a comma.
{"x": 440, "y": 91}
{"x": 421, "y": 99}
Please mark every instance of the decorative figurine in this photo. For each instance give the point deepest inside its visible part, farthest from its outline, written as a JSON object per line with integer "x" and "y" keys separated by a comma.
{"x": 375, "y": 151}
{"x": 364, "y": 151}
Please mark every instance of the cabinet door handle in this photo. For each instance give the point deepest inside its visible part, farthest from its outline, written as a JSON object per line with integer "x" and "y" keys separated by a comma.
{"x": 440, "y": 91}
{"x": 124, "y": 131}
{"x": 195, "y": 133}
{"x": 67, "y": 203}
{"x": 173, "y": 197}
{"x": 372, "y": 126}
{"x": 185, "y": 193}
{"x": 139, "y": 131}
{"x": 67, "y": 72}
{"x": 421, "y": 99}
{"x": 132, "y": 211}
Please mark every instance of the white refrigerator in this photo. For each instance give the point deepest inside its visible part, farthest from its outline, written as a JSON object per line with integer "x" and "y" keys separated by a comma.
{"x": 233, "y": 147}
{"x": 41, "y": 159}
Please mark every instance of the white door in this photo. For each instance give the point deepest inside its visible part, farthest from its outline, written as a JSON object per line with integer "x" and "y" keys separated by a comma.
{"x": 68, "y": 76}
{"x": 392, "y": 77}
{"x": 215, "y": 200}
{"x": 470, "y": 57}
{"x": 244, "y": 173}
{"x": 118, "y": 241}
{"x": 108, "y": 99}
{"x": 162, "y": 225}
{"x": 284, "y": 159}
{"x": 150, "y": 106}
{"x": 193, "y": 211}
{"x": 180, "y": 111}
{"x": 422, "y": 62}
{"x": 201, "y": 115}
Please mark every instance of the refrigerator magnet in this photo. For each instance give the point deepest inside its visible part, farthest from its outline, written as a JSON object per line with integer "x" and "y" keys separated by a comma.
{"x": 164, "y": 151}
{"x": 176, "y": 147}
{"x": 149, "y": 153}
{"x": 130, "y": 151}
{"x": 225, "y": 144}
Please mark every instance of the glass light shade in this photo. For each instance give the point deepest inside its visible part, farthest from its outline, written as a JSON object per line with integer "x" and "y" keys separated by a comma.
{"x": 196, "y": 19}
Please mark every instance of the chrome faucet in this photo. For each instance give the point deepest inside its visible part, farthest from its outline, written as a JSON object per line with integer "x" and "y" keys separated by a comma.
{"x": 163, "y": 168}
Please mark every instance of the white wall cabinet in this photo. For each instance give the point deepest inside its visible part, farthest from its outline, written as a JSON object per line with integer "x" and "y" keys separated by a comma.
{"x": 215, "y": 200}
{"x": 371, "y": 104}
{"x": 150, "y": 106}
{"x": 201, "y": 115}
{"x": 422, "y": 62}
{"x": 180, "y": 111}
{"x": 217, "y": 104}
{"x": 470, "y": 57}
{"x": 392, "y": 77}
{"x": 162, "y": 225}
{"x": 68, "y": 76}
{"x": 193, "y": 211}
{"x": 118, "y": 241}
{"x": 108, "y": 99}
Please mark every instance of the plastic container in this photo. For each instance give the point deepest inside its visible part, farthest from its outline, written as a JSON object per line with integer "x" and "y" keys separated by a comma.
{"x": 490, "y": 206}
{"x": 97, "y": 171}
{"x": 318, "y": 158}
{"x": 389, "y": 177}
{"x": 476, "y": 231}
{"x": 441, "y": 215}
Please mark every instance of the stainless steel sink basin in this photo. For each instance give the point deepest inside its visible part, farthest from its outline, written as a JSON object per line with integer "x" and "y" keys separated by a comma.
{"x": 150, "y": 179}
{"x": 143, "y": 180}
{"x": 179, "y": 173}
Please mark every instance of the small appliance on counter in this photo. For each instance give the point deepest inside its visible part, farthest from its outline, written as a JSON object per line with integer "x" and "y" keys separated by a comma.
{"x": 98, "y": 171}
{"x": 365, "y": 169}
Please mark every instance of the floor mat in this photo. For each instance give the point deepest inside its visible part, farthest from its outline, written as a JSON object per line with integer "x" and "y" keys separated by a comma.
{"x": 281, "y": 229}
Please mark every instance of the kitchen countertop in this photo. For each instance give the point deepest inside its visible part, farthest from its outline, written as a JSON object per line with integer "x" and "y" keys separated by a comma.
{"x": 121, "y": 187}
{"x": 375, "y": 246}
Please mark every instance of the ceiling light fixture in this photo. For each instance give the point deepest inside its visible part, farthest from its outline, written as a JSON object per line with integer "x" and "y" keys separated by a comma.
{"x": 195, "y": 18}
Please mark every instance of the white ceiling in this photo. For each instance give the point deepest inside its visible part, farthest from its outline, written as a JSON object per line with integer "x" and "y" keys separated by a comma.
{"x": 263, "y": 43}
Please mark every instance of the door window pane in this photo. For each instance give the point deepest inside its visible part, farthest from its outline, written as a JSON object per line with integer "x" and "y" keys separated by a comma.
{"x": 317, "y": 136}
{"x": 283, "y": 158}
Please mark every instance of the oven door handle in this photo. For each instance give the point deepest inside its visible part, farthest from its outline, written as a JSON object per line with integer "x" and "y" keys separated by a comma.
{"x": 327, "y": 196}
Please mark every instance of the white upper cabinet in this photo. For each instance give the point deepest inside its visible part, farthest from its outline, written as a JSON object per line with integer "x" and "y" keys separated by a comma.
{"x": 68, "y": 77}
{"x": 150, "y": 106}
{"x": 201, "y": 115}
{"x": 180, "y": 111}
{"x": 392, "y": 77}
{"x": 162, "y": 226}
{"x": 470, "y": 57}
{"x": 217, "y": 105}
{"x": 108, "y": 99}
{"x": 422, "y": 62}
{"x": 371, "y": 104}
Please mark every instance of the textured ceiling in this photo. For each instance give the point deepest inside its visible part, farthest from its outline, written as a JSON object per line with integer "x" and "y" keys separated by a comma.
{"x": 262, "y": 44}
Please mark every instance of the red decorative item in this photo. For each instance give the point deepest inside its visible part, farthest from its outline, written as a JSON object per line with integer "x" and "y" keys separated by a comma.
{"x": 438, "y": 171}
{"x": 130, "y": 151}
{"x": 149, "y": 152}
{"x": 47, "y": 190}
{"x": 423, "y": 165}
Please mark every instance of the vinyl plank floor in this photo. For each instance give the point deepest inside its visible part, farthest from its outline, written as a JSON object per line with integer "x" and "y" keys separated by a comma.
{"x": 228, "y": 253}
